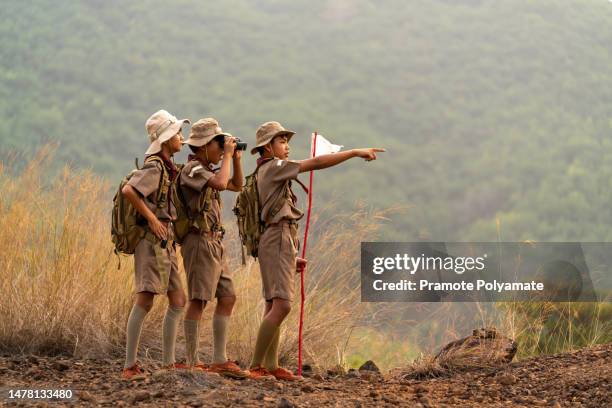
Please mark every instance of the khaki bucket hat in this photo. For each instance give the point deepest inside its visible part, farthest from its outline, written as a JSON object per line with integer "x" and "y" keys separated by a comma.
{"x": 161, "y": 127}
{"x": 268, "y": 131}
{"x": 203, "y": 131}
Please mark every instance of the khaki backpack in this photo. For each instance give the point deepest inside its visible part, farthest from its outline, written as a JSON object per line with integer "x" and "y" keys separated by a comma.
{"x": 187, "y": 219}
{"x": 126, "y": 228}
{"x": 248, "y": 215}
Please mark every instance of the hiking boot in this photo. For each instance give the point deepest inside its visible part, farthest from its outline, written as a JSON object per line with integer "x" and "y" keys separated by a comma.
{"x": 283, "y": 374}
{"x": 259, "y": 373}
{"x": 133, "y": 373}
{"x": 228, "y": 369}
{"x": 201, "y": 367}
{"x": 176, "y": 366}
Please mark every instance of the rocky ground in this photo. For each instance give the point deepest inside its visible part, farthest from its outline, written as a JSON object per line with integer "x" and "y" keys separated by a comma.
{"x": 578, "y": 379}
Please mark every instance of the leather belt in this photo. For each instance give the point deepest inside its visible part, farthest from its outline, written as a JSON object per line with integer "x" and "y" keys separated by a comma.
{"x": 209, "y": 234}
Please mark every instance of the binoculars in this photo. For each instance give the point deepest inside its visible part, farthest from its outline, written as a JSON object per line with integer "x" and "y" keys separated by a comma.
{"x": 240, "y": 145}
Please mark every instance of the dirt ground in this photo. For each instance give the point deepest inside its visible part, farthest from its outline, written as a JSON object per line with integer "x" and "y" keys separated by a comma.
{"x": 578, "y": 379}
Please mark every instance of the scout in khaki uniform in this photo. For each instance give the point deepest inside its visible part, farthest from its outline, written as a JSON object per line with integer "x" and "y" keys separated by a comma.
{"x": 278, "y": 245}
{"x": 155, "y": 265}
{"x": 203, "y": 253}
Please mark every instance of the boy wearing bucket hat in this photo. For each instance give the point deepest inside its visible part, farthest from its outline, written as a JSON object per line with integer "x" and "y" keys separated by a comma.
{"x": 208, "y": 275}
{"x": 278, "y": 244}
{"x": 155, "y": 265}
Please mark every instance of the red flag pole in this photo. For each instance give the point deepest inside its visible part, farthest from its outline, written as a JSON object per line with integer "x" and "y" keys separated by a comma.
{"x": 302, "y": 289}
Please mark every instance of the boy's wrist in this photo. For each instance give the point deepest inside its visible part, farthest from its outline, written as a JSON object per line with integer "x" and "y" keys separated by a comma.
{"x": 149, "y": 216}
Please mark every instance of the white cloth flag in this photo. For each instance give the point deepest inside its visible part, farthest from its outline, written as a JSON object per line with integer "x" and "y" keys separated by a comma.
{"x": 324, "y": 146}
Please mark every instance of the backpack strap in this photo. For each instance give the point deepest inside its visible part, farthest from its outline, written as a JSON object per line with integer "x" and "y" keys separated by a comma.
{"x": 302, "y": 184}
{"x": 280, "y": 201}
{"x": 203, "y": 206}
{"x": 181, "y": 197}
{"x": 164, "y": 182}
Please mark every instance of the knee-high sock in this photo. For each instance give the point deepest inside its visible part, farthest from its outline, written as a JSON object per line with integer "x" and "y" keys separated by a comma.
{"x": 220, "y": 324}
{"x": 270, "y": 361}
{"x": 192, "y": 340}
{"x": 133, "y": 330}
{"x": 264, "y": 337}
{"x": 170, "y": 325}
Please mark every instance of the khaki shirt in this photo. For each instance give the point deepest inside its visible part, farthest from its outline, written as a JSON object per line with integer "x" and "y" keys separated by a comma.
{"x": 146, "y": 181}
{"x": 271, "y": 178}
{"x": 193, "y": 180}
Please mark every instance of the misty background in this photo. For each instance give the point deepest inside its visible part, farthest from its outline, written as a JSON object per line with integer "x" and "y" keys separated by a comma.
{"x": 489, "y": 109}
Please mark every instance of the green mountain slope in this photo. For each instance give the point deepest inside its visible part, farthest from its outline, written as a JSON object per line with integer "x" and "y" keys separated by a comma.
{"x": 488, "y": 109}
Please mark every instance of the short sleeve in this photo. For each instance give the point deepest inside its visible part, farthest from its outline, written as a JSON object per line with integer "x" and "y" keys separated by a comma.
{"x": 281, "y": 170}
{"x": 146, "y": 180}
{"x": 195, "y": 177}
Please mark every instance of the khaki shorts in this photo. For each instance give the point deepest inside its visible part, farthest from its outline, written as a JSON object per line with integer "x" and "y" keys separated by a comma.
{"x": 155, "y": 268}
{"x": 277, "y": 252}
{"x": 208, "y": 275}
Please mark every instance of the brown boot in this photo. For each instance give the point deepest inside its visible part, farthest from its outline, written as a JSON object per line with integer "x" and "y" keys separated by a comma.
{"x": 229, "y": 369}
{"x": 259, "y": 373}
{"x": 133, "y": 373}
{"x": 283, "y": 374}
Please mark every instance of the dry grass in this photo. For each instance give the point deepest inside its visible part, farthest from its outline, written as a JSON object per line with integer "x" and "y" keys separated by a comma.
{"x": 485, "y": 349}
{"x": 555, "y": 327}
{"x": 63, "y": 293}
{"x": 537, "y": 327}
{"x": 62, "y": 290}
{"x": 458, "y": 360}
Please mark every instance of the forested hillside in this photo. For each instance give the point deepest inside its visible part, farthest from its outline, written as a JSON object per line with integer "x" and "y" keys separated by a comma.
{"x": 489, "y": 109}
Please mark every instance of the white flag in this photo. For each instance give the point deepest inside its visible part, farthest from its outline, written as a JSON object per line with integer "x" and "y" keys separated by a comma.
{"x": 324, "y": 146}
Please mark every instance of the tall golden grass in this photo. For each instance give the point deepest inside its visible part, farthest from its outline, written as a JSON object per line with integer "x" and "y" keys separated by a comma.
{"x": 63, "y": 291}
